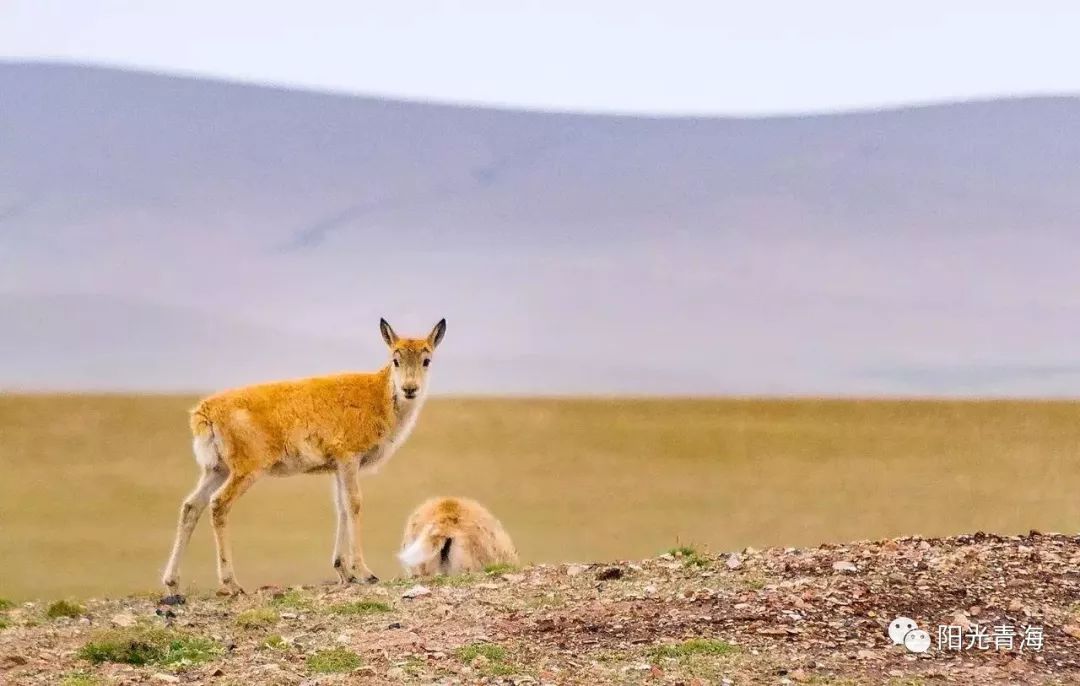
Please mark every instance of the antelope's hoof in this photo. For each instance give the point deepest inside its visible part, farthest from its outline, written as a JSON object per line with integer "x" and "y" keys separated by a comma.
{"x": 230, "y": 590}
{"x": 371, "y": 579}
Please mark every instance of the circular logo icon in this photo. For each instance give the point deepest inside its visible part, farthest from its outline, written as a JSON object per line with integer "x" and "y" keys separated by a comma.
{"x": 899, "y": 628}
{"x": 917, "y": 641}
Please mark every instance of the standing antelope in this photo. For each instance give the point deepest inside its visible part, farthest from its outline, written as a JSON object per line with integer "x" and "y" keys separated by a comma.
{"x": 345, "y": 424}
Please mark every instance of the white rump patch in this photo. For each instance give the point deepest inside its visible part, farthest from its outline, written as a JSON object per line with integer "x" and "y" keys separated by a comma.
{"x": 417, "y": 553}
{"x": 206, "y": 451}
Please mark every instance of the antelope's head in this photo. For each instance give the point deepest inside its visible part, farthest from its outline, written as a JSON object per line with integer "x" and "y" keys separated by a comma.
{"x": 411, "y": 358}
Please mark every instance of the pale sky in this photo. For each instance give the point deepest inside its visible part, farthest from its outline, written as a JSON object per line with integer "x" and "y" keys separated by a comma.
{"x": 672, "y": 57}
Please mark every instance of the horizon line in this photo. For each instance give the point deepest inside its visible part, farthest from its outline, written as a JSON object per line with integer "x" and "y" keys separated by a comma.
{"x": 473, "y": 104}
{"x": 13, "y": 392}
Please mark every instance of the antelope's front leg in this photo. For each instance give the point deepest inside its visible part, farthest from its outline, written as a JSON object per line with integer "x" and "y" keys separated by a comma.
{"x": 342, "y": 559}
{"x": 349, "y": 476}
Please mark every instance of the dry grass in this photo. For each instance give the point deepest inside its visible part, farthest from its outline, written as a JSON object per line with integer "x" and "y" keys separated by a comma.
{"x": 92, "y": 483}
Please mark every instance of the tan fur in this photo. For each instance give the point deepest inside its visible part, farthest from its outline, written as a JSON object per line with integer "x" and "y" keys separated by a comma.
{"x": 343, "y": 424}
{"x": 477, "y": 538}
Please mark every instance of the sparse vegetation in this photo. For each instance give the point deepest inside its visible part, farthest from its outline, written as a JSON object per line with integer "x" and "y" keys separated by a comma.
{"x": 82, "y": 679}
{"x": 488, "y": 650}
{"x": 499, "y": 568}
{"x": 695, "y": 646}
{"x": 64, "y": 608}
{"x": 488, "y": 658}
{"x": 6, "y": 604}
{"x": 333, "y": 661}
{"x": 690, "y": 556}
{"x": 258, "y": 618}
{"x": 360, "y": 607}
{"x": 464, "y": 579}
{"x": 645, "y": 629}
{"x": 142, "y": 645}
{"x": 275, "y": 642}
{"x": 294, "y": 599}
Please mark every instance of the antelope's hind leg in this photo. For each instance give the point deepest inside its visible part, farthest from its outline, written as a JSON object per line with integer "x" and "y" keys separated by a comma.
{"x": 190, "y": 511}
{"x": 234, "y": 487}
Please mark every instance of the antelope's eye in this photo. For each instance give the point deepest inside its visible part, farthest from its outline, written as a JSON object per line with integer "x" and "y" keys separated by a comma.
{"x": 427, "y": 362}
{"x": 397, "y": 363}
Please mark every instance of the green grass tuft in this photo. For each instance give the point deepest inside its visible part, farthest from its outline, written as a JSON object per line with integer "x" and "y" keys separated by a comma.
{"x": 495, "y": 658}
{"x": 695, "y": 646}
{"x": 190, "y": 650}
{"x": 259, "y": 618}
{"x": 361, "y": 607}
{"x": 64, "y": 608}
{"x": 463, "y": 579}
{"x": 6, "y": 604}
{"x": 690, "y": 556}
{"x": 499, "y": 568}
{"x": 82, "y": 679}
{"x": 293, "y": 600}
{"x": 333, "y": 661}
{"x": 275, "y": 642}
{"x": 142, "y": 646}
{"x": 493, "y": 652}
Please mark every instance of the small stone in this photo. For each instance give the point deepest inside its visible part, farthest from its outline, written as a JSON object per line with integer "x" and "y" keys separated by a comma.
{"x": 1016, "y": 606}
{"x": 844, "y": 566}
{"x": 961, "y": 620}
{"x": 1071, "y": 630}
{"x": 734, "y": 561}
{"x": 514, "y": 578}
{"x": 799, "y": 675}
{"x": 974, "y": 610}
{"x": 416, "y": 591}
{"x": 866, "y": 655}
{"x": 396, "y": 673}
{"x": 166, "y": 678}
{"x": 576, "y": 570}
{"x": 124, "y": 620}
{"x": 289, "y": 615}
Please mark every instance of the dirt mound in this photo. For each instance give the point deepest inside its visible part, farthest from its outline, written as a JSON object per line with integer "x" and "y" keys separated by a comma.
{"x": 996, "y": 609}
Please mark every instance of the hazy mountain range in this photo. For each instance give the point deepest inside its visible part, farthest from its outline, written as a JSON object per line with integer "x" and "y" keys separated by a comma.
{"x": 166, "y": 233}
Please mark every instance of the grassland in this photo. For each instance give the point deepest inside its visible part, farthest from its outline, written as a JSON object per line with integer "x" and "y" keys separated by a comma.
{"x": 90, "y": 485}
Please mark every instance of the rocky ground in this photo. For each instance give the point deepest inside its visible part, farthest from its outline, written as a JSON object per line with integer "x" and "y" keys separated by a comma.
{"x": 775, "y": 616}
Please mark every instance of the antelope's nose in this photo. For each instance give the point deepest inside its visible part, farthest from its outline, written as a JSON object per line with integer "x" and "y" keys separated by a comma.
{"x": 410, "y": 390}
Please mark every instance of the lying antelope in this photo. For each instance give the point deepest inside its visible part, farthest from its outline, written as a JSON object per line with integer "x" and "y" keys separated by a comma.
{"x": 453, "y": 535}
{"x": 345, "y": 424}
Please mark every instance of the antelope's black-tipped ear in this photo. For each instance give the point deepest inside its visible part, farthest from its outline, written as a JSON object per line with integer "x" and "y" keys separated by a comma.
{"x": 388, "y": 334}
{"x": 437, "y": 333}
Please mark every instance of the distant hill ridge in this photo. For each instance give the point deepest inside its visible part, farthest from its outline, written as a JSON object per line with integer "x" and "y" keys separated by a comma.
{"x": 920, "y": 250}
